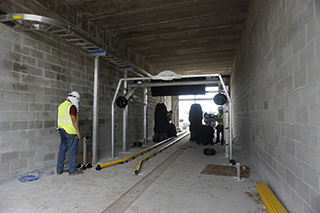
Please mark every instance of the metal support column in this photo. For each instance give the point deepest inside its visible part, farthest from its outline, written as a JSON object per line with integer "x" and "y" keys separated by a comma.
{"x": 112, "y": 118}
{"x": 95, "y": 111}
{"x": 175, "y": 111}
{"x": 113, "y": 111}
{"x": 125, "y": 114}
{"x": 230, "y": 117}
{"x": 145, "y": 113}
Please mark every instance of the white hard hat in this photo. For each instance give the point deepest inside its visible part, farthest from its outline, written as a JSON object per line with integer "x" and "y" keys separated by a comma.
{"x": 220, "y": 108}
{"x": 74, "y": 94}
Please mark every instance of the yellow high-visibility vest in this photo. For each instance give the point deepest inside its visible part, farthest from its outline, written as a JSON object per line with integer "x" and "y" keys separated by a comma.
{"x": 221, "y": 117}
{"x": 64, "y": 118}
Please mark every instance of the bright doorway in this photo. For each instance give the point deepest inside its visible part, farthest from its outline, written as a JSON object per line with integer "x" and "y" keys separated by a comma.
{"x": 206, "y": 102}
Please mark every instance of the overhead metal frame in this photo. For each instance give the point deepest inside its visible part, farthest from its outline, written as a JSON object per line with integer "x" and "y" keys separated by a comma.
{"x": 145, "y": 82}
{"x": 31, "y": 22}
{"x": 36, "y": 23}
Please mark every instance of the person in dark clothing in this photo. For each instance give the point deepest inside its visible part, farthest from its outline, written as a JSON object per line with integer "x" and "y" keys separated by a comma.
{"x": 195, "y": 119}
{"x": 172, "y": 132}
{"x": 220, "y": 126}
{"x": 200, "y": 133}
{"x": 162, "y": 128}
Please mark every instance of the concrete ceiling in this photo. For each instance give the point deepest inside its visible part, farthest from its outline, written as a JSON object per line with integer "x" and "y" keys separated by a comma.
{"x": 185, "y": 36}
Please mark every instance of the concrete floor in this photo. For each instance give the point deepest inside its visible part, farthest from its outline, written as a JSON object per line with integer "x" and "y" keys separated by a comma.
{"x": 168, "y": 182}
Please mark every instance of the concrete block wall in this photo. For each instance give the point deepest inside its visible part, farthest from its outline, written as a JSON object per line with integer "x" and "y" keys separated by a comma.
{"x": 36, "y": 74}
{"x": 35, "y": 78}
{"x": 275, "y": 87}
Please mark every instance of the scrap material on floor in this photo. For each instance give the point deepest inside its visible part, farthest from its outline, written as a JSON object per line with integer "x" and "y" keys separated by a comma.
{"x": 169, "y": 182}
{"x": 226, "y": 170}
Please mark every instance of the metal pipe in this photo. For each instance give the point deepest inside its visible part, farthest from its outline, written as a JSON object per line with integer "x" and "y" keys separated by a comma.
{"x": 178, "y": 138}
{"x": 112, "y": 130}
{"x": 238, "y": 171}
{"x": 196, "y": 99}
{"x": 230, "y": 129}
{"x": 164, "y": 84}
{"x": 203, "y": 75}
{"x": 84, "y": 151}
{"x": 175, "y": 111}
{"x": 230, "y": 116}
{"x": 145, "y": 112}
{"x": 143, "y": 72}
{"x": 125, "y": 113}
{"x": 95, "y": 110}
{"x": 112, "y": 117}
{"x": 183, "y": 76}
{"x": 126, "y": 159}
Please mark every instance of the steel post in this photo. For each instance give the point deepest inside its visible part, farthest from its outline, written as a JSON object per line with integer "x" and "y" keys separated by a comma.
{"x": 112, "y": 117}
{"x": 230, "y": 116}
{"x": 125, "y": 114}
{"x": 95, "y": 110}
{"x": 145, "y": 112}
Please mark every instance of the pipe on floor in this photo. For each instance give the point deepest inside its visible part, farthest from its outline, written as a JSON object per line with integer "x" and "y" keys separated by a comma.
{"x": 138, "y": 166}
{"x": 124, "y": 160}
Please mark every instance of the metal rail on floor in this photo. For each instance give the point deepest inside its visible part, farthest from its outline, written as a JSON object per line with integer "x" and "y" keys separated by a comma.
{"x": 270, "y": 200}
{"x": 125, "y": 160}
{"x": 138, "y": 166}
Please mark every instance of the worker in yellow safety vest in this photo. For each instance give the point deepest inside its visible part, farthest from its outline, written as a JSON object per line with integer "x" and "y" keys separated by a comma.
{"x": 220, "y": 128}
{"x": 68, "y": 128}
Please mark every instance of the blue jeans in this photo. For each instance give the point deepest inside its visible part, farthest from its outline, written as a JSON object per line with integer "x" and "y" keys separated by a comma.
{"x": 68, "y": 143}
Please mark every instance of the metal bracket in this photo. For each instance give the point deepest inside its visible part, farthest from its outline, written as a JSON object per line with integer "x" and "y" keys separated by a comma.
{"x": 131, "y": 91}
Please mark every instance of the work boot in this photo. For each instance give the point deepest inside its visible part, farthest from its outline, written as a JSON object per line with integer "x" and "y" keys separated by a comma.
{"x": 77, "y": 172}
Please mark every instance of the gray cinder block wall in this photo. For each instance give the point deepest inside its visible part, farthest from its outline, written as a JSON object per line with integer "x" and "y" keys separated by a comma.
{"x": 35, "y": 77}
{"x": 276, "y": 96}
{"x": 36, "y": 74}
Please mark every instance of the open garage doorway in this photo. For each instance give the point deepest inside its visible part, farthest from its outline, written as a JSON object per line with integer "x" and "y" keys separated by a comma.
{"x": 206, "y": 102}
